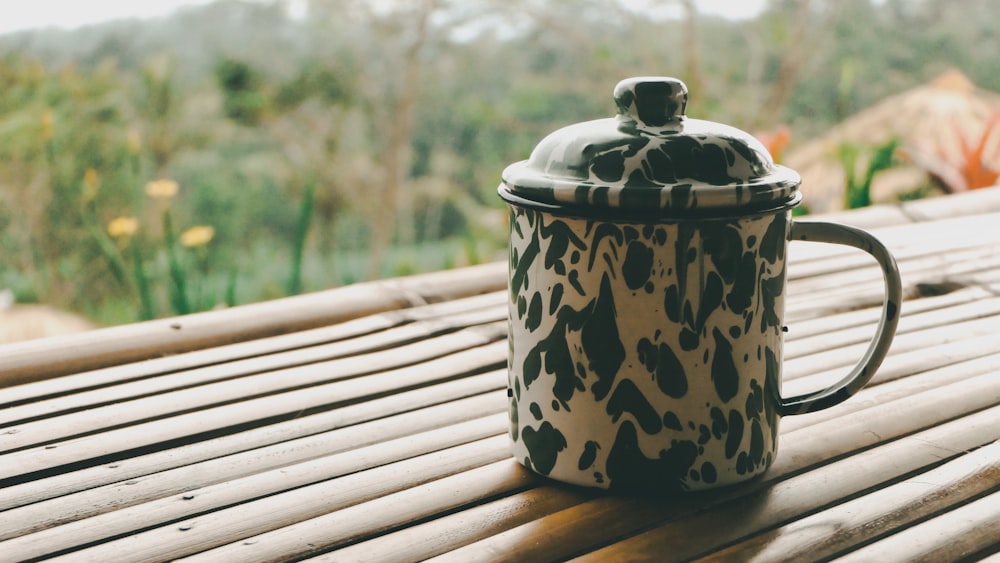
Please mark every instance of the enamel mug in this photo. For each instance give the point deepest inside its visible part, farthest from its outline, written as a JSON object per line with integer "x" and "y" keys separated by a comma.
{"x": 647, "y": 284}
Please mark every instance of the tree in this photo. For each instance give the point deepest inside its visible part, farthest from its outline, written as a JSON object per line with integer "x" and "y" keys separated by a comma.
{"x": 241, "y": 85}
{"x": 796, "y": 30}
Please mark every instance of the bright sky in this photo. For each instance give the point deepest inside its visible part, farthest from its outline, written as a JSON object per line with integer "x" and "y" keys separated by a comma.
{"x": 26, "y": 14}
{"x": 735, "y": 9}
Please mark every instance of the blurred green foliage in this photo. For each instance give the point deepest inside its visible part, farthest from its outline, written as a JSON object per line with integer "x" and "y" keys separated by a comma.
{"x": 276, "y": 128}
{"x": 858, "y": 189}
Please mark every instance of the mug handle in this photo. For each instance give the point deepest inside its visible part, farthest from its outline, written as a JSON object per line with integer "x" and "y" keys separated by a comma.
{"x": 862, "y": 373}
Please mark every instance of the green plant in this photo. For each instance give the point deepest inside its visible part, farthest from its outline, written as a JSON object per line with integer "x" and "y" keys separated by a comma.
{"x": 178, "y": 277}
{"x": 188, "y": 258}
{"x": 858, "y": 191}
{"x": 124, "y": 229}
{"x": 294, "y": 285}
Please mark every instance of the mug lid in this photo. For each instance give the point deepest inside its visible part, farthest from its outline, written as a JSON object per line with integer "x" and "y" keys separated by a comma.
{"x": 651, "y": 160}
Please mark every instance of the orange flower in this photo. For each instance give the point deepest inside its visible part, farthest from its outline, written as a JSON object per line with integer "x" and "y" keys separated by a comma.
{"x": 776, "y": 141}
{"x": 975, "y": 168}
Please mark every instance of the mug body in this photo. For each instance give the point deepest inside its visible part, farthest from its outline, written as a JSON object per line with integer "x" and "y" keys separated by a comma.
{"x": 646, "y": 355}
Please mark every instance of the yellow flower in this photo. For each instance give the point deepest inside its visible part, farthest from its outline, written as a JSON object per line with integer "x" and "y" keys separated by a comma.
{"x": 197, "y": 236}
{"x": 47, "y": 124}
{"x": 161, "y": 189}
{"x": 134, "y": 140}
{"x": 123, "y": 226}
{"x": 91, "y": 181}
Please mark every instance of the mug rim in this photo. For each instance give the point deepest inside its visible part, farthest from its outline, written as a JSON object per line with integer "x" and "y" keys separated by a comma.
{"x": 651, "y": 215}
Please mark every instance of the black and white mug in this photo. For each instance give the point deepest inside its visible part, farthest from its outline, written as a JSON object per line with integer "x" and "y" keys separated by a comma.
{"x": 647, "y": 283}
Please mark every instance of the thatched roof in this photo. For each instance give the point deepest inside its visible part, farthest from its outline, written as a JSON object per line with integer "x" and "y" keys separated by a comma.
{"x": 928, "y": 118}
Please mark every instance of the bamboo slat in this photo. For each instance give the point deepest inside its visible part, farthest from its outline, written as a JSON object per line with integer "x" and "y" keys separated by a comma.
{"x": 849, "y": 289}
{"x": 956, "y": 205}
{"x": 441, "y": 357}
{"x": 911, "y": 239}
{"x": 950, "y": 335}
{"x": 242, "y": 350}
{"x": 452, "y": 531}
{"x": 38, "y": 359}
{"x": 704, "y": 531}
{"x": 903, "y": 364}
{"x": 695, "y": 523}
{"x": 119, "y": 470}
{"x": 203, "y": 531}
{"x": 131, "y": 371}
{"x": 879, "y": 392}
{"x": 964, "y": 532}
{"x": 137, "y": 516}
{"x": 189, "y": 425}
{"x": 412, "y": 342}
{"x": 58, "y": 509}
{"x": 827, "y": 278}
{"x": 957, "y": 267}
{"x": 868, "y": 317}
{"x": 839, "y": 528}
{"x": 871, "y": 217}
{"x": 816, "y": 266}
{"x": 796, "y": 346}
{"x": 972, "y": 426}
{"x": 377, "y": 515}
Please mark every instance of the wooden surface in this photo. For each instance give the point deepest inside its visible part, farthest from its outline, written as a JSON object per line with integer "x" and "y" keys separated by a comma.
{"x": 369, "y": 424}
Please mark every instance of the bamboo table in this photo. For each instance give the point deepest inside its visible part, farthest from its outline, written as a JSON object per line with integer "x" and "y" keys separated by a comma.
{"x": 368, "y": 423}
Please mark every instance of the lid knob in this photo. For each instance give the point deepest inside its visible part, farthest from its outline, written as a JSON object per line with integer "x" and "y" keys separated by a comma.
{"x": 653, "y": 103}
